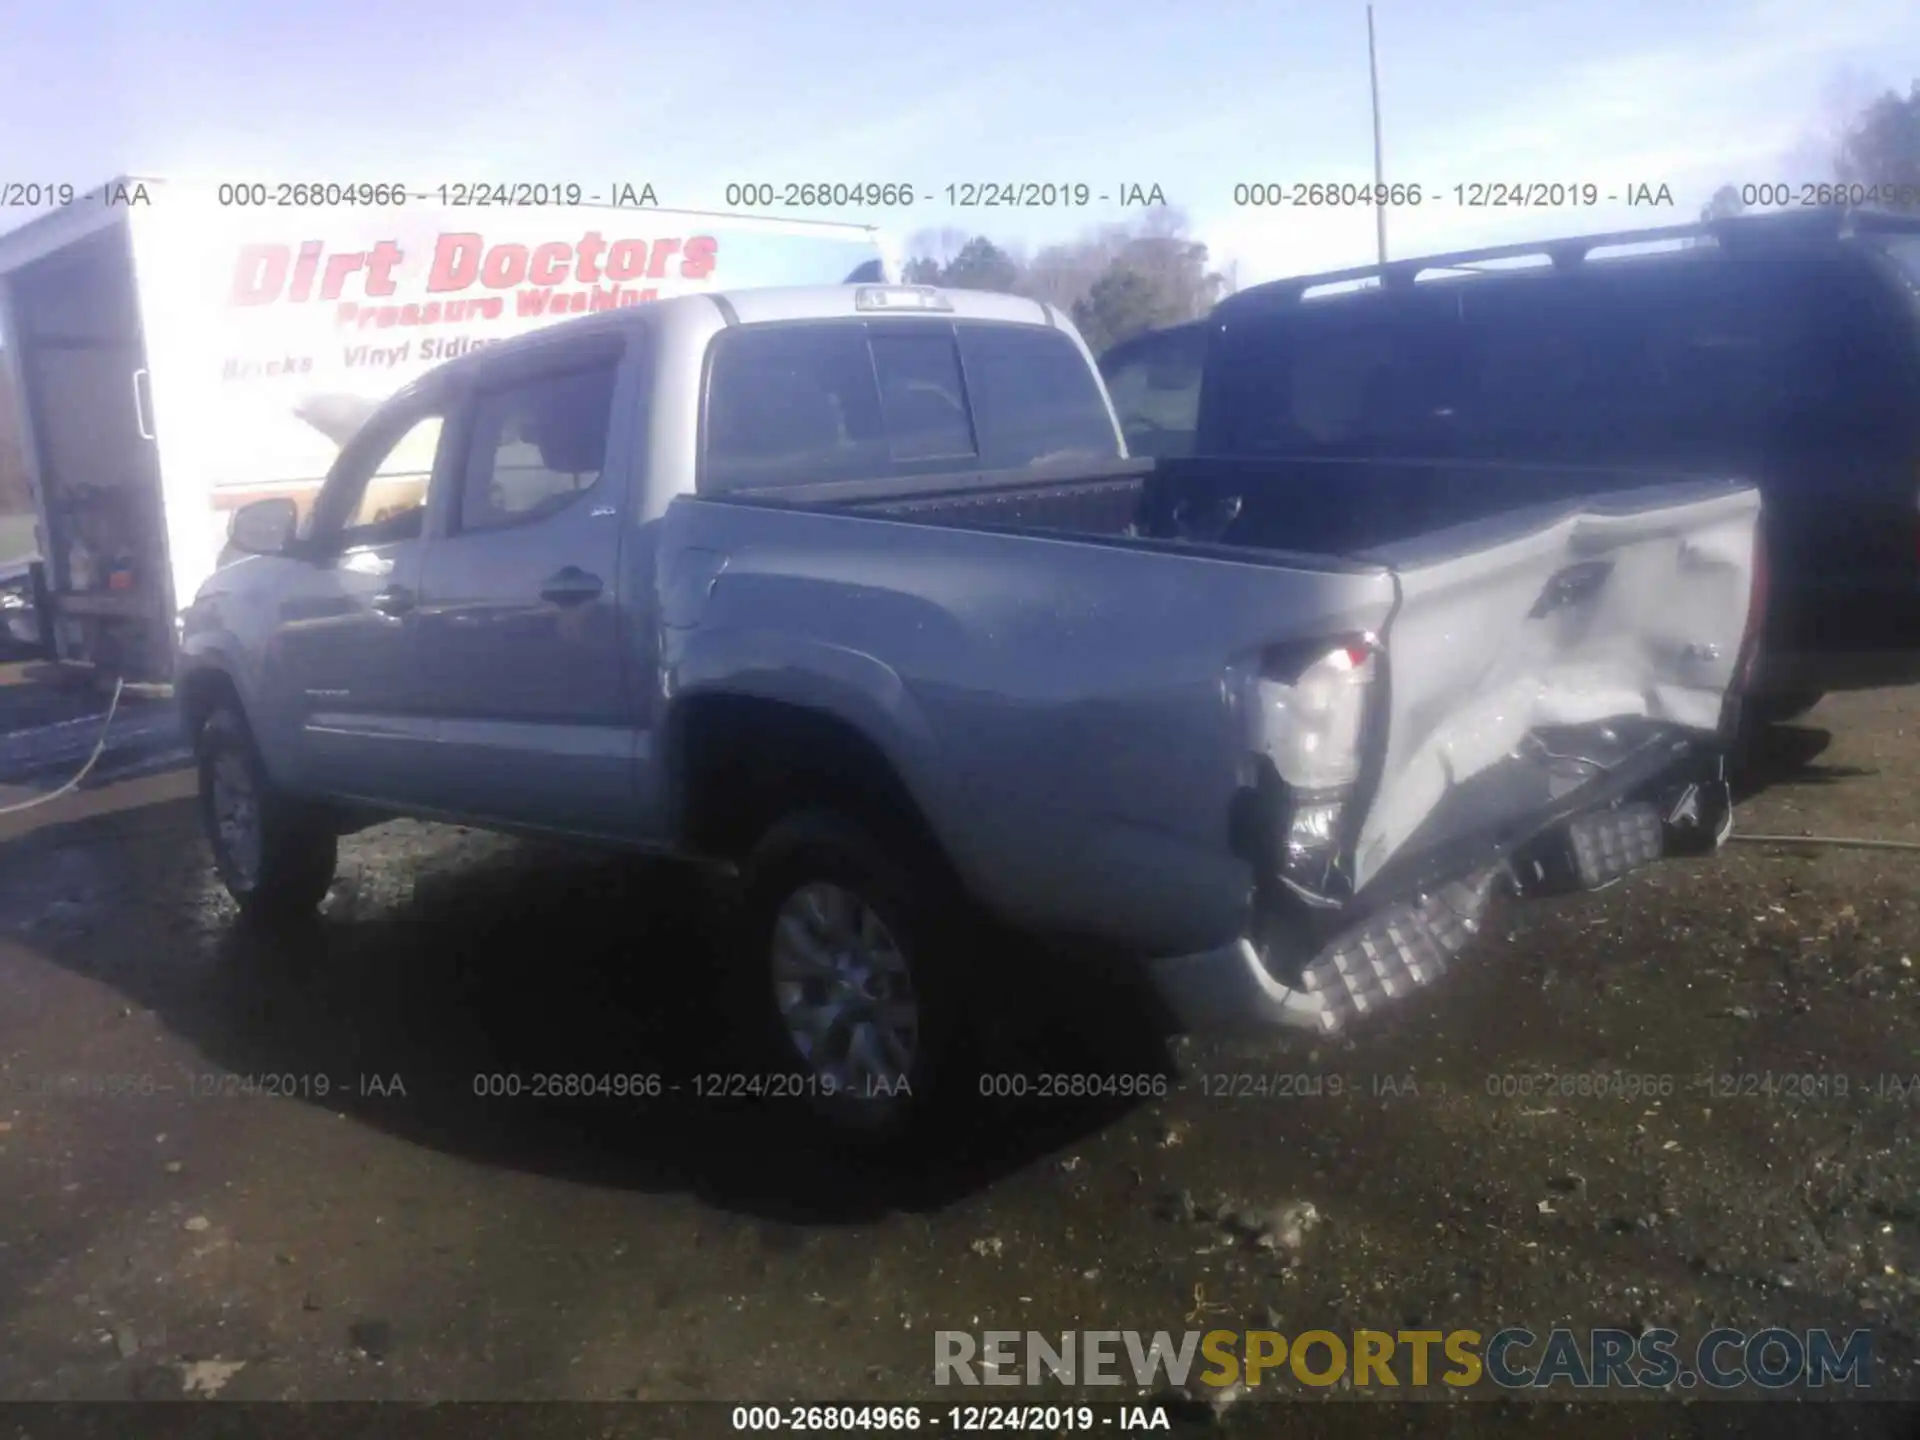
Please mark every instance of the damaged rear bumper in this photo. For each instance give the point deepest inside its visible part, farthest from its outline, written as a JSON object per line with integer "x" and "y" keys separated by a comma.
{"x": 1323, "y": 972}
{"x": 1403, "y": 948}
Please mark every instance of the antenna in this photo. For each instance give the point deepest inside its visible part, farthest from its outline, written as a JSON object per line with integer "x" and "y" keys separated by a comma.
{"x": 1379, "y": 167}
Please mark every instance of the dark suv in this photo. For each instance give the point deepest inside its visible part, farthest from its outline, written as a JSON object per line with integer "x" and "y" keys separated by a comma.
{"x": 1781, "y": 348}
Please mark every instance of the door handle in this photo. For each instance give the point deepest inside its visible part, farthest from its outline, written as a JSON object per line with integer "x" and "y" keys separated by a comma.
{"x": 394, "y": 600}
{"x": 572, "y": 586}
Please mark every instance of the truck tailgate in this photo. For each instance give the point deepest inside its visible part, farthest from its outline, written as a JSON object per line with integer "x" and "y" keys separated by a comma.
{"x": 1624, "y": 608}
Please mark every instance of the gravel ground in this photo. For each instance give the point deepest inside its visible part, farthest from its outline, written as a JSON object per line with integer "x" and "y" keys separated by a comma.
{"x": 400, "y": 1237}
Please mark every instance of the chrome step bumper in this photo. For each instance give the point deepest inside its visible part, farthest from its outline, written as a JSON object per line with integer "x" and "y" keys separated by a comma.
{"x": 1406, "y": 946}
{"x": 1383, "y": 959}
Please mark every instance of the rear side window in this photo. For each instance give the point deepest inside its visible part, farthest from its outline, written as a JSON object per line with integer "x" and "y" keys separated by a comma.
{"x": 839, "y": 400}
{"x": 1555, "y": 370}
{"x": 1699, "y": 364}
{"x": 536, "y": 445}
{"x": 1371, "y": 377}
{"x": 1704, "y": 364}
{"x": 1155, "y": 385}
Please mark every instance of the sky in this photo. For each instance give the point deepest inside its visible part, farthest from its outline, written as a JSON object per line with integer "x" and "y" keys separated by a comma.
{"x": 1192, "y": 98}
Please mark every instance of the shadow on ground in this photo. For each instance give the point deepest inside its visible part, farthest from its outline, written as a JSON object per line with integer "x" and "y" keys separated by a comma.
{"x": 447, "y": 958}
{"x": 1786, "y": 755}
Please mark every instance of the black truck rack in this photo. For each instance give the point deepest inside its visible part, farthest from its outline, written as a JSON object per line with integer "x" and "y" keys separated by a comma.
{"x": 1732, "y": 234}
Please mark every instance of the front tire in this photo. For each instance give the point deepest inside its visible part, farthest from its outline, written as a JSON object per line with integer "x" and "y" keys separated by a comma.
{"x": 275, "y": 856}
{"x": 849, "y": 964}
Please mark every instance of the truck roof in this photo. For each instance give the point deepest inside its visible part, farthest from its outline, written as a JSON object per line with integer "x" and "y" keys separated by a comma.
{"x": 772, "y": 305}
{"x": 821, "y": 302}
{"x": 1734, "y": 236}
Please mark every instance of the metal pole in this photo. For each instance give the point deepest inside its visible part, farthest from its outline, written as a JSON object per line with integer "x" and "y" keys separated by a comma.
{"x": 1379, "y": 165}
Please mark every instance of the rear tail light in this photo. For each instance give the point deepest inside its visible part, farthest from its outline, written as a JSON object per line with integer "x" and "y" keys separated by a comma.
{"x": 1759, "y": 595}
{"x": 1313, "y": 715}
{"x": 1311, "y": 708}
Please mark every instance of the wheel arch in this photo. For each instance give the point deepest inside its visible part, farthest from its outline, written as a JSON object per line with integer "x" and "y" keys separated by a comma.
{"x": 741, "y": 762}
{"x": 202, "y": 690}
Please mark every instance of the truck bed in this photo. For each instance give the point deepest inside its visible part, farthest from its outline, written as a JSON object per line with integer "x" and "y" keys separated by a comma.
{"x": 1313, "y": 512}
{"x": 1072, "y": 627}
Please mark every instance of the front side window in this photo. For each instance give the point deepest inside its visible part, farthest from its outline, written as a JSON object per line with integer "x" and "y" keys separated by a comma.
{"x": 378, "y": 490}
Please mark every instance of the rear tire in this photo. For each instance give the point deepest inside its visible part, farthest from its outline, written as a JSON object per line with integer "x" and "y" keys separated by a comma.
{"x": 851, "y": 965}
{"x": 275, "y": 855}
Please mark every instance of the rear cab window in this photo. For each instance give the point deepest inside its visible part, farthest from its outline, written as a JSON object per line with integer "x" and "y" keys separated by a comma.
{"x": 799, "y": 403}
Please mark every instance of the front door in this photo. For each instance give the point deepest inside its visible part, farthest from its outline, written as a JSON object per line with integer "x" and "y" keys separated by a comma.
{"x": 520, "y": 618}
{"x": 343, "y": 669}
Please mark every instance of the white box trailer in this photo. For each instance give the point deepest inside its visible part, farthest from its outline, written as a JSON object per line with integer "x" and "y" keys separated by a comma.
{"x": 180, "y": 352}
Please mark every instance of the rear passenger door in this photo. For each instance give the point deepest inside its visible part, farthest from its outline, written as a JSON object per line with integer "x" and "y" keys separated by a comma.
{"x": 520, "y": 622}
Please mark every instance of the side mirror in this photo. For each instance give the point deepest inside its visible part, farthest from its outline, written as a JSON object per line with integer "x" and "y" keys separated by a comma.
{"x": 265, "y": 527}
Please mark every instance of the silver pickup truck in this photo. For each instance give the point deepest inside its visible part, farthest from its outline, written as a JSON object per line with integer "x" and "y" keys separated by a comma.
{"x": 854, "y": 592}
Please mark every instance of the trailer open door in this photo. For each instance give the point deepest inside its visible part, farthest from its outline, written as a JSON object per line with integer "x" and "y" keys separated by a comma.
{"x": 73, "y": 326}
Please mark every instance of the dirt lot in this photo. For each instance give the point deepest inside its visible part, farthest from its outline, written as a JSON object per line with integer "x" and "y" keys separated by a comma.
{"x": 399, "y": 1236}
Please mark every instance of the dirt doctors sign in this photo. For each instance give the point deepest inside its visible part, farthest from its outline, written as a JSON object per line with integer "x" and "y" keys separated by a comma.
{"x": 271, "y": 335}
{"x": 466, "y": 276}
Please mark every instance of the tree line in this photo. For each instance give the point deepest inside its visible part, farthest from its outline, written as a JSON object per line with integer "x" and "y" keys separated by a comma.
{"x": 1881, "y": 148}
{"x": 1115, "y": 281}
